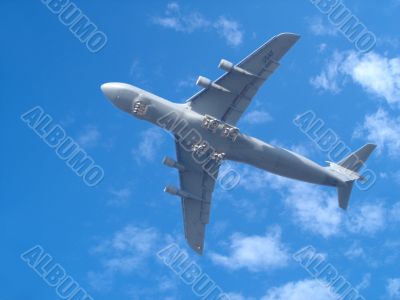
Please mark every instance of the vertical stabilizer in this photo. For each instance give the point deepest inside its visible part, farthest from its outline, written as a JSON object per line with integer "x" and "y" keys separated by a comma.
{"x": 344, "y": 193}
{"x": 348, "y": 169}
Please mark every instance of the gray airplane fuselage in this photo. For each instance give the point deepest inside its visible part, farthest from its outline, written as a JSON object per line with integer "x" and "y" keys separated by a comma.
{"x": 187, "y": 125}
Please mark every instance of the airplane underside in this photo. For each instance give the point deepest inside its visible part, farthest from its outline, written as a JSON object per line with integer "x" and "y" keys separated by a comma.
{"x": 206, "y": 134}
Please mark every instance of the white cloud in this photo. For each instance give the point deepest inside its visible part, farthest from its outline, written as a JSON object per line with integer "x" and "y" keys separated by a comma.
{"x": 319, "y": 28}
{"x": 230, "y": 30}
{"x": 152, "y": 139}
{"x": 100, "y": 281}
{"x": 329, "y": 77}
{"x": 188, "y": 24}
{"x": 303, "y": 149}
{"x": 121, "y": 193}
{"x": 127, "y": 249}
{"x": 382, "y": 129}
{"x": 120, "y": 196}
{"x": 185, "y": 83}
{"x": 322, "y": 47}
{"x": 368, "y": 219}
{"x": 236, "y": 296}
{"x": 257, "y": 117}
{"x": 250, "y": 209}
{"x": 255, "y": 253}
{"x": 315, "y": 209}
{"x": 377, "y": 74}
{"x": 89, "y": 137}
{"x": 365, "y": 282}
{"x": 393, "y": 288}
{"x": 175, "y": 19}
{"x": 301, "y": 290}
{"x": 253, "y": 179}
{"x": 137, "y": 72}
{"x": 123, "y": 253}
{"x": 355, "y": 251}
{"x": 395, "y": 212}
{"x": 389, "y": 41}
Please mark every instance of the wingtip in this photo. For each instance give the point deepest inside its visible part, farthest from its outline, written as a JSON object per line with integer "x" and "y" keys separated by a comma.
{"x": 196, "y": 248}
{"x": 291, "y": 35}
{"x": 370, "y": 146}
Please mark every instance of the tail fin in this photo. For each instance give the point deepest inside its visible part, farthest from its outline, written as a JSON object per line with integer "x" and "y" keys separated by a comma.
{"x": 344, "y": 193}
{"x": 348, "y": 169}
{"x": 356, "y": 160}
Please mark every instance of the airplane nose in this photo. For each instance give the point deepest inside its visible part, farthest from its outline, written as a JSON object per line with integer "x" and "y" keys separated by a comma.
{"x": 110, "y": 90}
{"x": 119, "y": 94}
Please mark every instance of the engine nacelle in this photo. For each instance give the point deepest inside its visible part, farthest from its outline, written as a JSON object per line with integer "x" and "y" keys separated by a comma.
{"x": 228, "y": 67}
{"x": 208, "y": 83}
{"x": 171, "y": 190}
{"x": 169, "y": 162}
{"x": 177, "y": 192}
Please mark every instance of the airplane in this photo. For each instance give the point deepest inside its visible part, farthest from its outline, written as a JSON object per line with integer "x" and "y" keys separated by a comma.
{"x": 205, "y": 134}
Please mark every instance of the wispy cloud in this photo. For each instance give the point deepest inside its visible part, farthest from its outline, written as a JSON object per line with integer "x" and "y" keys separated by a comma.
{"x": 377, "y": 74}
{"x": 137, "y": 72}
{"x": 368, "y": 218}
{"x": 382, "y": 129}
{"x": 389, "y": 41}
{"x": 257, "y": 117}
{"x": 315, "y": 209}
{"x": 394, "y": 214}
{"x": 365, "y": 282}
{"x": 230, "y": 30}
{"x": 188, "y": 82}
{"x": 330, "y": 79}
{"x": 393, "y": 288}
{"x": 151, "y": 141}
{"x": 355, "y": 251}
{"x": 320, "y": 27}
{"x": 89, "y": 137}
{"x": 126, "y": 251}
{"x": 127, "y": 248}
{"x": 300, "y": 290}
{"x": 255, "y": 253}
{"x": 236, "y": 296}
{"x": 130, "y": 252}
{"x": 119, "y": 197}
{"x": 174, "y": 18}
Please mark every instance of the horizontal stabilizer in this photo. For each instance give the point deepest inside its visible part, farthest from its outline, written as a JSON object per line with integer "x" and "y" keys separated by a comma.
{"x": 343, "y": 173}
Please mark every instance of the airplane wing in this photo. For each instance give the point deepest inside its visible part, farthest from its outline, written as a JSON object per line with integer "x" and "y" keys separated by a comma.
{"x": 196, "y": 212}
{"x": 228, "y": 97}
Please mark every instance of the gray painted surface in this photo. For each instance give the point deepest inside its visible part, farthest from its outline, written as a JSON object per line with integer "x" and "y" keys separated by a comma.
{"x": 205, "y": 135}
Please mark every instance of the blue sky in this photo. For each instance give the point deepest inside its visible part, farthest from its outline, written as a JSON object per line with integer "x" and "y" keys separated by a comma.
{"x": 107, "y": 237}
